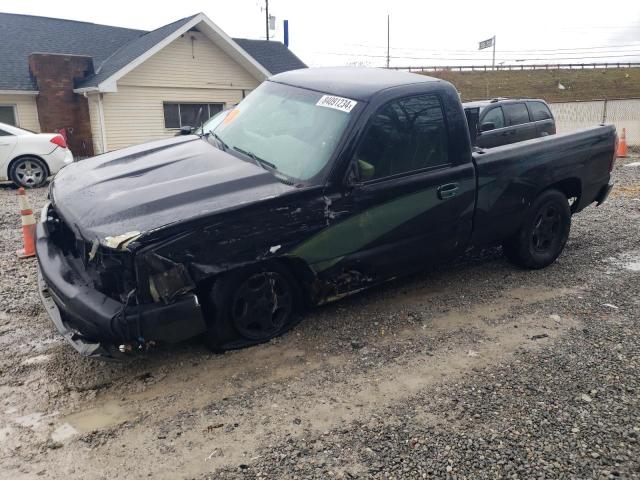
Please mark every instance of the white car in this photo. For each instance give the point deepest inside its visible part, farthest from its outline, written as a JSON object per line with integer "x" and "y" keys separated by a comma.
{"x": 28, "y": 159}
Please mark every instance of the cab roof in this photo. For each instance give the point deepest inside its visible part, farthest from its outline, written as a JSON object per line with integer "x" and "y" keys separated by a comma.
{"x": 350, "y": 82}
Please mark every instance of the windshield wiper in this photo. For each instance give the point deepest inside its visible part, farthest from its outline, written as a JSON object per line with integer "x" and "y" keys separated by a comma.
{"x": 224, "y": 146}
{"x": 260, "y": 161}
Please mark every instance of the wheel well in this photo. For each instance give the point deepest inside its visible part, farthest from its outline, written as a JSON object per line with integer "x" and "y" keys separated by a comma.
{"x": 571, "y": 187}
{"x": 28, "y": 155}
{"x": 297, "y": 267}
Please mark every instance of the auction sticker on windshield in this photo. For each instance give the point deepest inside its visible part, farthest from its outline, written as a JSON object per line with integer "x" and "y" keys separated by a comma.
{"x": 338, "y": 103}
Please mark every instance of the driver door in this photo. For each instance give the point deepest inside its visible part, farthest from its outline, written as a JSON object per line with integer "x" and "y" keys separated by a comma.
{"x": 409, "y": 201}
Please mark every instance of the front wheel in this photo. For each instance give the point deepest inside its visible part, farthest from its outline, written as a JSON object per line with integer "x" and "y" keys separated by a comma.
{"x": 251, "y": 305}
{"x": 543, "y": 234}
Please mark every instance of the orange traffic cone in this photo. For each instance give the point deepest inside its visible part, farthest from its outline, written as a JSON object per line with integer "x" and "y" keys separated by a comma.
{"x": 622, "y": 145}
{"x": 28, "y": 226}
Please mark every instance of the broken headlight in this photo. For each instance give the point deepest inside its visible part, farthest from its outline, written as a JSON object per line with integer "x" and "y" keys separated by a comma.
{"x": 167, "y": 279}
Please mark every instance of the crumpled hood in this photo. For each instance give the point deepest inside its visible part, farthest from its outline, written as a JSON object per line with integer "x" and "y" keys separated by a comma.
{"x": 148, "y": 186}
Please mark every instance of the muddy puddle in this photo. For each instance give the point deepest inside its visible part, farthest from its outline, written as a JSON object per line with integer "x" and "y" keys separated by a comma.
{"x": 629, "y": 261}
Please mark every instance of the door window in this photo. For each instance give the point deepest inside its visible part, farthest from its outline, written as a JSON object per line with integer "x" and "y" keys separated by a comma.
{"x": 539, "y": 111}
{"x": 516, "y": 113}
{"x": 494, "y": 116}
{"x": 404, "y": 136}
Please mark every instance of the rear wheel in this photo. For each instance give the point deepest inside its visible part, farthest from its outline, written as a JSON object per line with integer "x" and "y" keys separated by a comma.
{"x": 29, "y": 172}
{"x": 543, "y": 234}
{"x": 251, "y": 305}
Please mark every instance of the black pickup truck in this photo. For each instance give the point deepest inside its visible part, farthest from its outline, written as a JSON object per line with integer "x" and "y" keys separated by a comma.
{"x": 321, "y": 183}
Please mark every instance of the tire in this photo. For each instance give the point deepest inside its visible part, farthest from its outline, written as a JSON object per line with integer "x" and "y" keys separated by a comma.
{"x": 250, "y": 306}
{"x": 28, "y": 172}
{"x": 543, "y": 234}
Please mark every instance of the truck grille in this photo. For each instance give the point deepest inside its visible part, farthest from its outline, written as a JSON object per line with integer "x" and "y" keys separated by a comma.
{"x": 110, "y": 272}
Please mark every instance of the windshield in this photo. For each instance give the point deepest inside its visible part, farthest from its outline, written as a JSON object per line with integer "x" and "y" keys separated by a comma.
{"x": 284, "y": 128}
{"x": 211, "y": 124}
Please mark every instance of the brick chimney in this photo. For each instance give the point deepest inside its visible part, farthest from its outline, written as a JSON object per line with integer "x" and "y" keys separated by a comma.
{"x": 58, "y": 107}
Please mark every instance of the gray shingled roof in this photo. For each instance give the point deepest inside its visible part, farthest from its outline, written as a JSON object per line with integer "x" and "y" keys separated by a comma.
{"x": 130, "y": 51}
{"x": 111, "y": 47}
{"x": 22, "y": 35}
{"x": 272, "y": 55}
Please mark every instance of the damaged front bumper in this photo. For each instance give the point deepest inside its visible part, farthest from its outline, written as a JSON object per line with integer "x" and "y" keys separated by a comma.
{"x": 95, "y": 324}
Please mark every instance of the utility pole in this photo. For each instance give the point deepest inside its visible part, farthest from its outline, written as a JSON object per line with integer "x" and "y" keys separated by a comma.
{"x": 493, "y": 62}
{"x": 387, "y": 40}
{"x": 266, "y": 2}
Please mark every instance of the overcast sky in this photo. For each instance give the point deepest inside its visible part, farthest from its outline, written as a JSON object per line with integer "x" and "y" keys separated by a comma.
{"x": 343, "y": 32}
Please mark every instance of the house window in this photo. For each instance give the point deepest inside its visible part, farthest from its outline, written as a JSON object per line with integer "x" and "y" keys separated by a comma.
{"x": 178, "y": 115}
{"x": 8, "y": 114}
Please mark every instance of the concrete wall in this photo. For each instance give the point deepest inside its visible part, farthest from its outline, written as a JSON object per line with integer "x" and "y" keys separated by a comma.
{"x": 622, "y": 113}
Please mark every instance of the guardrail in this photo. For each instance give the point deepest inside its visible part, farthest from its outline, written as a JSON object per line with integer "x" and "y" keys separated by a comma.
{"x": 549, "y": 66}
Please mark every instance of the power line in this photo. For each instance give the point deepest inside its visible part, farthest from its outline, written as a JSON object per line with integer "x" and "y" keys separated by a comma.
{"x": 634, "y": 54}
{"x": 636, "y": 45}
{"x": 529, "y": 55}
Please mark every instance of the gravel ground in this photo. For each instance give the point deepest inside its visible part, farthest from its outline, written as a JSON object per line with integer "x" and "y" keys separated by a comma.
{"x": 473, "y": 370}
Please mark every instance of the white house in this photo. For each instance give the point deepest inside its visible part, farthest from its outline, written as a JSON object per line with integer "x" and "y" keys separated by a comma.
{"x": 109, "y": 87}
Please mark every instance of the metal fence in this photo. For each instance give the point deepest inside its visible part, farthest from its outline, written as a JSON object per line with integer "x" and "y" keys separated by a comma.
{"x": 520, "y": 66}
{"x": 622, "y": 113}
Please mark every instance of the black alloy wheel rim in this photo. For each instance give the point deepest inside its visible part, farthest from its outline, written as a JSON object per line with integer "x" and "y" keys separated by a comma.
{"x": 545, "y": 229}
{"x": 262, "y": 305}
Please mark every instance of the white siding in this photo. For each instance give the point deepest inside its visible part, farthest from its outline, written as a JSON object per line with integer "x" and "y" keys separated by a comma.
{"x": 185, "y": 71}
{"x": 26, "y": 110}
{"x": 135, "y": 114}
{"x": 191, "y": 60}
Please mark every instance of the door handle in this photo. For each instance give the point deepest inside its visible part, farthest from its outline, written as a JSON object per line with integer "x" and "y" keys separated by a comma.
{"x": 510, "y": 132}
{"x": 447, "y": 191}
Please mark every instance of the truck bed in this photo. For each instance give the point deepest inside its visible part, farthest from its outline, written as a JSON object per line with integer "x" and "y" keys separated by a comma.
{"x": 511, "y": 176}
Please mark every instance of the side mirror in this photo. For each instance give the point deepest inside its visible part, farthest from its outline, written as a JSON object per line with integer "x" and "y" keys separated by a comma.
{"x": 367, "y": 171}
{"x": 485, "y": 127}
{"x": 352, "y": 176}
{"x": 186, "y": 130}
{"x": 359, "y": 171}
